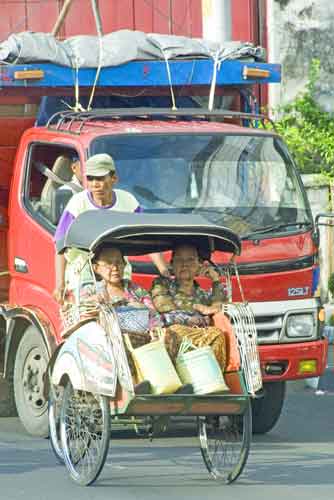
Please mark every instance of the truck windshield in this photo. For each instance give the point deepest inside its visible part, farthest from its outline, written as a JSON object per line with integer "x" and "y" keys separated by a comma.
{"x": 244, "y": 182}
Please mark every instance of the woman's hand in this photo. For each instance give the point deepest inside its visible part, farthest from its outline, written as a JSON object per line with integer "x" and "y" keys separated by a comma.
{"x": 96, "y": 298}
{"x": 89, "y": 309}
{"x": 58, "y": 294}
{"x": 207, "y": 310}
{"x": 161, "y": 264}
{"x": 92, "y": 314}
{"x": 100, "y": 298}
{"x": 209, "y": 271}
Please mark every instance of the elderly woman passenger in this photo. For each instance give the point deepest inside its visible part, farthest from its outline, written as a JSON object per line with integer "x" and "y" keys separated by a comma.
{"x": 112, "y": 288}
{"x": 183, "y": 293}
{"x": 187, "y": 309}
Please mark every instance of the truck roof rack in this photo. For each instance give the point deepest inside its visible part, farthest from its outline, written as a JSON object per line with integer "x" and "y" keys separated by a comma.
{"x": 71, "y": 117}
{"x": 52, "y": 79}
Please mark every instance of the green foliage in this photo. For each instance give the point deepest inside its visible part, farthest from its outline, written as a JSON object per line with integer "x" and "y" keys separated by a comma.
{"x": 308, "y": 130}
{"x": 331, "y": 284}
{"x": 331, "y": 320}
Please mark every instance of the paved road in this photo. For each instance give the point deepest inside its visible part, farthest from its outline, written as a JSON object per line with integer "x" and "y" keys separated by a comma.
{"x": 295, "y": 461}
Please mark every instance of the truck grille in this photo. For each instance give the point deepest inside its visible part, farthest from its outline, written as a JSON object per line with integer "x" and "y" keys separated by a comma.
{"x": 268, "y": 328}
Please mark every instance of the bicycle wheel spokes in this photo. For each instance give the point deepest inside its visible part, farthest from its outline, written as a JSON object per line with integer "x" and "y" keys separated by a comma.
{"x": 225, "y": 443}
{"x": 85, "y": 434}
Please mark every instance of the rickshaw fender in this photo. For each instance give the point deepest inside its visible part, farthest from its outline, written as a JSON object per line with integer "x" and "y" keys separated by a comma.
{"x": 66, "y": 367}
{"x": 86, "y": 358}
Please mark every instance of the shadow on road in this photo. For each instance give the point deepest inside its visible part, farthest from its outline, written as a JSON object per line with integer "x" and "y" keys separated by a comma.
{"x": 17, "y": 459}
{"x": 298, "y": 451}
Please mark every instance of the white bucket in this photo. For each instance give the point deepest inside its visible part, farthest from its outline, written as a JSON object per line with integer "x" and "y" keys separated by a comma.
{"x": 154, "y": 364}
{"x": 201, "y": 369}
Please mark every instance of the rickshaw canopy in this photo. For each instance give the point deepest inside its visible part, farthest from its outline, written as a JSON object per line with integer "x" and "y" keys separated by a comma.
{"x": 142, "y": 233}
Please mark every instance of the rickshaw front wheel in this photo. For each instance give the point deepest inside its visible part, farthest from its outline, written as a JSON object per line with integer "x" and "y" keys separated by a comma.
{"x": 85, "y": 433}
{"x": 225, "y": 443}
{"x": 54, "y": 407}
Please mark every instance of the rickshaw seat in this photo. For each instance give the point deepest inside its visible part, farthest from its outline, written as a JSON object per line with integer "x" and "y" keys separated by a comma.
{"x": 62, "y": 168}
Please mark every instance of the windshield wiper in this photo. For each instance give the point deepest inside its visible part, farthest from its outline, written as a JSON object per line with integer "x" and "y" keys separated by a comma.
{"x": 274, "y": 228}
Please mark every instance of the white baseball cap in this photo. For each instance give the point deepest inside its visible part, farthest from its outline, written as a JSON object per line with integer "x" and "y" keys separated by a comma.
{"x": 100, "y": 165}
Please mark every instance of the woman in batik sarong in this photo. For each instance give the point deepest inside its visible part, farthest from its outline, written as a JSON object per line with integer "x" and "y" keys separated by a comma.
{"x": 186, "y": 309}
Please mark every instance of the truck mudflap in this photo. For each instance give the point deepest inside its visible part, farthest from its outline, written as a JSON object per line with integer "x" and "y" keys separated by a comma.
{"x": 293, "y": 361}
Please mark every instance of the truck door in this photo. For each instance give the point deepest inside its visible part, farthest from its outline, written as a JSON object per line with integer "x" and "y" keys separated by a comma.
{"x": 34, "y": 213}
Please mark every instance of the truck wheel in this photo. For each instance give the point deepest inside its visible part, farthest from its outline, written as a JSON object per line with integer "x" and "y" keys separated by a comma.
{"x": 266, "y": 410}
{"x": 30, "y": 365}
{"x": 7, "y": 400}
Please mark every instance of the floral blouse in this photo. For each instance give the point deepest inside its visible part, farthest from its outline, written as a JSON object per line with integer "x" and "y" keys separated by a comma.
{"x": 177, "y": 307}
{"x": 134, "y": 296}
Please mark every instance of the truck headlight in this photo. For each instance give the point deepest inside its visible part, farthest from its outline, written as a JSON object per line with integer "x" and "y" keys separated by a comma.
{"x": 300, "y": 325}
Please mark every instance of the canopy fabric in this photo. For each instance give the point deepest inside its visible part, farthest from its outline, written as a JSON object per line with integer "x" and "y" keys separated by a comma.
{"x": 138, "y": 234}
{"x": 117, "y": 48}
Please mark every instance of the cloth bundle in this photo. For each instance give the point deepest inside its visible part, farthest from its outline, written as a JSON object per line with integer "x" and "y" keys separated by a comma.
{"x": 199, "y": 337}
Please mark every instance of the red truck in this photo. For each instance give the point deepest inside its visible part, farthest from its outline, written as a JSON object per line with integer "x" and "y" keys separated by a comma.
{"x": 189, "y": 160}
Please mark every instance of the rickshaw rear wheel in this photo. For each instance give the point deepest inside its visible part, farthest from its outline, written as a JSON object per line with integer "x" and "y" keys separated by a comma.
{"x": 225, "y": 443}
{"x": 85, "y": 433}
{"x": 54, "y": 407}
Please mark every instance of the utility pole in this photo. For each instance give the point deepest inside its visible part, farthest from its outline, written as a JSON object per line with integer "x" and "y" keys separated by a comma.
{"x": 217, "y": 20}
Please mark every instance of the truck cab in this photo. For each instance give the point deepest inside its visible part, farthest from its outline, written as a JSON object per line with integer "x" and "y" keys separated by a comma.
{"x": 216, "y": 163}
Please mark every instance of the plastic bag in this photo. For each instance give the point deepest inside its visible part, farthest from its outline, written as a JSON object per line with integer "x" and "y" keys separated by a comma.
{"x": 133, "y": 319}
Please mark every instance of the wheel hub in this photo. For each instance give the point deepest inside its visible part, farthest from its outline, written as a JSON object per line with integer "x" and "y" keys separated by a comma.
{"x": 33, "y": 371}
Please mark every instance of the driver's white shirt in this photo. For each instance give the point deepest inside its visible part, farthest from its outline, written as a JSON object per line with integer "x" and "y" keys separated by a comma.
{"x": 122, "y": 202}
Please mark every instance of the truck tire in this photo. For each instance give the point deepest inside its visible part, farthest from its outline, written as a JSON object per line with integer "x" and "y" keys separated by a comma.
{"x": 267, "y": 410}
{"x": 30, "y": 365}
{"x": 7, "y": 400}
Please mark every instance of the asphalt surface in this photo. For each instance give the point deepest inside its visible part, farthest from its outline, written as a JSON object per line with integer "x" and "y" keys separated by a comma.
{"x": 294, "y": 460}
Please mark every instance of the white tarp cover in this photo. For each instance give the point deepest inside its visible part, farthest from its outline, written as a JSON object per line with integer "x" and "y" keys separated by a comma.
{"x": 117, "y": 48}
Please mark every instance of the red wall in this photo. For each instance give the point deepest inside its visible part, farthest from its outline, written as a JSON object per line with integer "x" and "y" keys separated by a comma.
{"x": 244, "y": 14}
{"x": 179, "y": 17}
{"x": 164, "y": 16}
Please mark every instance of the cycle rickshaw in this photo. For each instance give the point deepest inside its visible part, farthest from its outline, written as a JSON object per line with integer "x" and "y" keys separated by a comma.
{"x": 90, "y": 382}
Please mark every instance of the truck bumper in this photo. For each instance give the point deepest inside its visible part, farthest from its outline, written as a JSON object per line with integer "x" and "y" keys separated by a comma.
{"x": 293, "y": 361}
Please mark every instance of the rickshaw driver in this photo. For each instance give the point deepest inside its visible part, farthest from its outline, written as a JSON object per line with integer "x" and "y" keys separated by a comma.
{"x": 100, "y": 194}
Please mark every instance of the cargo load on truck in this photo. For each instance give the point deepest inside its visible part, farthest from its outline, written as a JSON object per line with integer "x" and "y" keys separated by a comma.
{"x": 118, "y": 48}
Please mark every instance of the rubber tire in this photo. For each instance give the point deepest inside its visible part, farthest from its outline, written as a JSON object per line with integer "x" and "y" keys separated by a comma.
{"x": 7, "y": 399}
{"x": 35, "y": 422}
{"x": 80, "y": 476}
{"x": 267, "y": 410}
{"x": 220, "y": 472}
{"x": 54, "y": 428}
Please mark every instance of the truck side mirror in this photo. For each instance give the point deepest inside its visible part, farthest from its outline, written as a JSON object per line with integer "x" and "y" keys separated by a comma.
{"x": 325, "y": 215}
